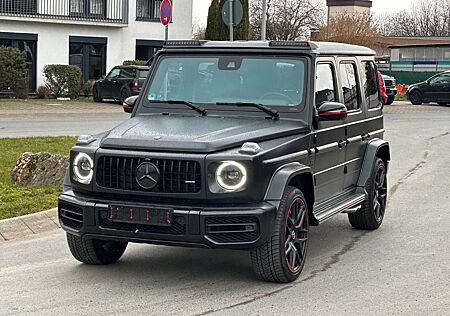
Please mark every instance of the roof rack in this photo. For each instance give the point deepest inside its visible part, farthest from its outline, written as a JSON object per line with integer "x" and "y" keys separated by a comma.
{"x": 182, "y": 43}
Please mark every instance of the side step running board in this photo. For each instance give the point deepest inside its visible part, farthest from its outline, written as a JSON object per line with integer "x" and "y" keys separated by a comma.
{"x": 348, "y": 204}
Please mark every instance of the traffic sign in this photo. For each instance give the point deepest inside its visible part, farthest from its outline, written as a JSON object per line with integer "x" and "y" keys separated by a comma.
{"x": 165, "y": 12}
{"x": 232, "y": 17}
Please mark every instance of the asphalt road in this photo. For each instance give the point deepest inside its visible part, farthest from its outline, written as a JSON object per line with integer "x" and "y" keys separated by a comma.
{"x": 402, "y": 268}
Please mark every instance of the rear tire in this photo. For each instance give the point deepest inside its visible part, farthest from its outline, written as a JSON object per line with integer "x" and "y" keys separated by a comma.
{"x": 95, "y": 251}
{"x": 96, "y": 95}
{"x": 390, "y": 100}
{"x": 124, "y": 94}
{"x": 371, "y": 214}
{"x": 415, "y": 97}
{"x": 281, "y": 259}
{"x": 442, "y": 103}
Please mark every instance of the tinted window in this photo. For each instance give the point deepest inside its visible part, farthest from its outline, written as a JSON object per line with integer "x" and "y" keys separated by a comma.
{"x": 127, "y": 73}
{"x": 443, "y": 78}
{"x": 272, "y": 81}
{"x": 369, "y": 78}
{"x": 325, "y": 85}
{"x": 115, "y": 73}
{"x": 349, "y": 86}
{"x": 143, "y": 73}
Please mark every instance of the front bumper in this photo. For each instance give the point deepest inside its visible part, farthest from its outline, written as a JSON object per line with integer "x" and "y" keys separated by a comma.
{"x": 212, "y": 226}
{"x": 391, "y": 92}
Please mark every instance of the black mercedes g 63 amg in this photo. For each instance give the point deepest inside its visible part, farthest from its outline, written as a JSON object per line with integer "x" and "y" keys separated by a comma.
{"x": 241, "y": 145}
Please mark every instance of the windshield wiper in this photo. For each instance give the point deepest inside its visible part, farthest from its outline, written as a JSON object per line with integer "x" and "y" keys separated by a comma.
{"x": 273, "y": 113}
{"x": 193, "y": 106}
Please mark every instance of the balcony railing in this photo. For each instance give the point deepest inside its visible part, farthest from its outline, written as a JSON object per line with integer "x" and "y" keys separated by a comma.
{"x": 106, "y": 11}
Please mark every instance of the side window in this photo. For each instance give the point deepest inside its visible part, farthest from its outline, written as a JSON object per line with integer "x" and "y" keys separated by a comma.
{"x": 443, "y": 78}
{"x": 114, "y": 74}
{"x": 325, "y": 84}
{"x": 369, "y": 80}
{"x": 127, "y": 73}
{"x": 349, "y": 87}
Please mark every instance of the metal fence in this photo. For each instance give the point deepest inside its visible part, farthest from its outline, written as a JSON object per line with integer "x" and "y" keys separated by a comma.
{"x": 110, "y": 11}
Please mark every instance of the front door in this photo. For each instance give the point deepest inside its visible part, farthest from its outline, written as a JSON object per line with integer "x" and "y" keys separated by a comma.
{"x": 439, "y": 88}
{"x": 111, "y": 84}
{"x": 329, "y": 138}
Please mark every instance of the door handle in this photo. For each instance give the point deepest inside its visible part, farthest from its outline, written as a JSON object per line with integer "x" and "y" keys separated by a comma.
{"x": 342, "y": 143}
{"x": 365, "y": 136}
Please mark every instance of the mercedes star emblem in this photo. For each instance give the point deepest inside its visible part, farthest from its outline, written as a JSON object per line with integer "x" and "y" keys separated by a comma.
{"x": 147, "y": 175}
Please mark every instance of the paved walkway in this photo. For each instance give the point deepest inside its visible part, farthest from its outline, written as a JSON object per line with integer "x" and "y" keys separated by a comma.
{"x": 34, "y": 106}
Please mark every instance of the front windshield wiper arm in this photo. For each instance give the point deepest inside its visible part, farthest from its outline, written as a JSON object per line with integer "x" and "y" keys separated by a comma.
{"x": 193, "y": 106}
{"x": 273, "y": 113}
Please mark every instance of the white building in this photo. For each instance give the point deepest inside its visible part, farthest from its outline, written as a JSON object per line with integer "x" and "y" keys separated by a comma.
{"x": 95, "y": 35}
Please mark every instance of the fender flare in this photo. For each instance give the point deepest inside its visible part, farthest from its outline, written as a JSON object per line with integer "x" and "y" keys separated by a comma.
{"x": 281, "y": 178}
{"x": 374, "y": 148}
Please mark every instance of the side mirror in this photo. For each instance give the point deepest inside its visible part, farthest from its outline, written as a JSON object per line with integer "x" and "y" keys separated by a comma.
{"x": 128, "y": 104}
{"x": 332, "y": 111}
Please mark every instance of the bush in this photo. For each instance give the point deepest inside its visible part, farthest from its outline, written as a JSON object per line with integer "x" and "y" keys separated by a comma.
{"x": 87, "y": 87}
{"x": 63, "y": 80}
{"x": 13, "y": 71}
{"x": 135, "y": 62}
{"x": 43, "y": 92}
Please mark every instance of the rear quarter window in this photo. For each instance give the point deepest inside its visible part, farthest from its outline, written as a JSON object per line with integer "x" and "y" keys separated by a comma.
{"x": 369, "y": 78}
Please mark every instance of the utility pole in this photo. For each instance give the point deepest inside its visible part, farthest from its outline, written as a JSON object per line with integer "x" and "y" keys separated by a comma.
{"x": 264, "y": 20}
{"x": 231, "y": 26}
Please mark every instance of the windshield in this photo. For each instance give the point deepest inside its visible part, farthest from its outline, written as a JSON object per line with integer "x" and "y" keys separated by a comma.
{"x": 271, "y": 81}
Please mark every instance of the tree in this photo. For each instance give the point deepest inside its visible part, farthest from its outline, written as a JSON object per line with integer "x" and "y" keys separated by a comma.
{"x": 357, "y": 29}
{"x": 218, "y": 31}
{"x": 13, "y": 74}
{"x": 286, "y": 19}
{"x": 427, "y": 18}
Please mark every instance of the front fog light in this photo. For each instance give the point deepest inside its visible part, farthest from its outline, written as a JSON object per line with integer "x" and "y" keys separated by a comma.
{"x": 83, "y": 168}
{"x": 231, "y": 175}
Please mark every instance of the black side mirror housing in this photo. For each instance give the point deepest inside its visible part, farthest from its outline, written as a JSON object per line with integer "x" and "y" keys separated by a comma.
{"x": 332, "y": 111}
{"x": 128, "y": 104}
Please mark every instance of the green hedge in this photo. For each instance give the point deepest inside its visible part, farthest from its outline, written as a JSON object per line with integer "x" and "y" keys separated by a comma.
{"x": 13, "y": 72}
{"x": 63, "y": 80}
{"x": 135, "y": 62}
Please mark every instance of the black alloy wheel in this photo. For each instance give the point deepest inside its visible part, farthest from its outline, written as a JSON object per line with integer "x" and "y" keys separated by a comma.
{"x": 282, "y": 258}
{"x": 125, "y": 93}
{"x": 96, "y": 95}
{"x": 372, "y": 211}
{"x": 415, "y": 97}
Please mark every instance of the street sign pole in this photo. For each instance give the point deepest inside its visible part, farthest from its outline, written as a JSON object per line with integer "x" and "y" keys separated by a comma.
{"x": 166, "y": 36}
{"x": 231, "y": 26}
{"x": 264, "y": 20}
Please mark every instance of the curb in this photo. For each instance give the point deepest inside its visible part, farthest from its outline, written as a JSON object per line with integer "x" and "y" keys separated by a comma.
{"x": 27, "y": 225}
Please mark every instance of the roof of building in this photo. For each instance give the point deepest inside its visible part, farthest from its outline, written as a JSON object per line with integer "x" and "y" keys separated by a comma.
{"x": 394, "y": 42}
{"x": 320, "y": 48}
{"x": 355, "y": 3}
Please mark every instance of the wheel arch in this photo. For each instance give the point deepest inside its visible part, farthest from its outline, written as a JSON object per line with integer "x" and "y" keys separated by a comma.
{"x": 296, "y": 175}
{"x": 377, "y": 148}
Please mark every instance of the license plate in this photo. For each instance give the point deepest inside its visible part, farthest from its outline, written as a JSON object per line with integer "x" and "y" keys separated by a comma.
{"x": 140, "y": 215}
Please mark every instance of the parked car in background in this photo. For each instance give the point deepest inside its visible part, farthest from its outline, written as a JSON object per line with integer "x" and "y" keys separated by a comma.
{"x": 120, "y": 83}
{"x": 391, "y": 90}
{"x": 435, "y": 89}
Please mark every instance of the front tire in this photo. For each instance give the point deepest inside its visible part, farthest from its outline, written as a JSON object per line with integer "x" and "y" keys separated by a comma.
{"x": 95, "y": 251}
{"x": 390, "y": 100}
{"x": 371, "y": 214}
{"x": 282, "y": 258}
{"x": 415, "y": 97}
{"x": 96, "y": 95}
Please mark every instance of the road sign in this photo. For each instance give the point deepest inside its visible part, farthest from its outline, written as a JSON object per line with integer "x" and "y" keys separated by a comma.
{"x": 165, "y": 12}
{"x": 232, "y": 17}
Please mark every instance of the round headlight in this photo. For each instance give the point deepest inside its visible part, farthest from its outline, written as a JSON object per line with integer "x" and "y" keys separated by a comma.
{"x": 83, "y": 168}
{"x": 231, "y": 175}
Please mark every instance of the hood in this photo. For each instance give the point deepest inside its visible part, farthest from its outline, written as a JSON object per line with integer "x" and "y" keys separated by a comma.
{"x": 177, "y": 133}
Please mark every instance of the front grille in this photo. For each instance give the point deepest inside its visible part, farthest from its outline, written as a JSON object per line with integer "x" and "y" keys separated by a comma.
{"x": 389, "y": 83}
{"x": 232, "y": 229}
{"x": 71, "y": 216}
{"x": 177, "y": 176}
{"x": 178, "y": 226}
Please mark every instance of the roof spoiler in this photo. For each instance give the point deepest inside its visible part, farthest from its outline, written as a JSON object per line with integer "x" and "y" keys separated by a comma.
{"x": 293, "y": 44}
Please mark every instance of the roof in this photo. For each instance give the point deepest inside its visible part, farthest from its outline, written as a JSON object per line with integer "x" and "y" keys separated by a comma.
{"x": 394, "y": 41}
{"x": 320, "y": 48}
{"x": 140, "y": 67}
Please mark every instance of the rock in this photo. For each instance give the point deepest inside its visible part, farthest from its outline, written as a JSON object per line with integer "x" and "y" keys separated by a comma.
{"x": 40, "y": 169}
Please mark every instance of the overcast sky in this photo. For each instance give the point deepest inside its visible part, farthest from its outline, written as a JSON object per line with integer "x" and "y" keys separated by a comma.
{"x": 379, "y": 6}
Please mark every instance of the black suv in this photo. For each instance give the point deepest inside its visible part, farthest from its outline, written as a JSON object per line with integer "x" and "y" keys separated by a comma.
{"x": 241, "y": 145}
{"x": 120, "y": 83}
{"x": 435, "y": 89}
{"x": 391, "y": 89}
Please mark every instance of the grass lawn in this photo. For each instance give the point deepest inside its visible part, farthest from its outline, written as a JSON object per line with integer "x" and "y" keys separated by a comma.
{"x": 10, "y": 102}
{"x": 16, "y": 200}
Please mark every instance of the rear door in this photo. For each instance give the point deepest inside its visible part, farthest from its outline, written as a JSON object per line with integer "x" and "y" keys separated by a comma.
{"x": 329, "y": 138}
{"x": 350, "y": 95}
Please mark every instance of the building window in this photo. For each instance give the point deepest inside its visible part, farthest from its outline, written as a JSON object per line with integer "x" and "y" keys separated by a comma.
{"x": 88, "y": 8}
{"x": 146, "y": 49}
{"x": 26, "y": 43}
{"x": 18, "y": 6}
{"x": 147, "y": 10}
{"x": 89, "y": 54}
